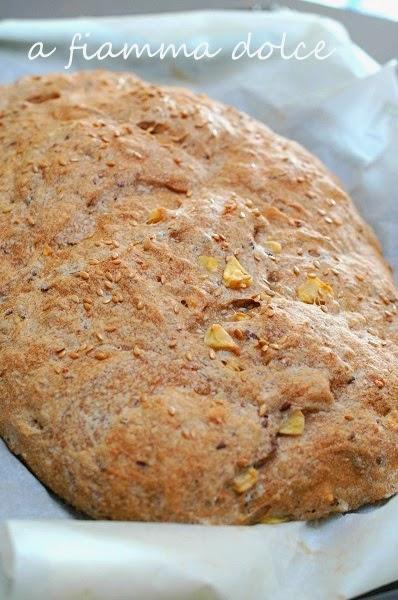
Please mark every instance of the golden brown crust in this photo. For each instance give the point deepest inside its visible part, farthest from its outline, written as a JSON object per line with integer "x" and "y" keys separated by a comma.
{"x": 139, "y": 379}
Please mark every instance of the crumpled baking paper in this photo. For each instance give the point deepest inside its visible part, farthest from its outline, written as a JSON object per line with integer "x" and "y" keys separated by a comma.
{"x": 345, "y": 110}
{"x": 150, "y": 561}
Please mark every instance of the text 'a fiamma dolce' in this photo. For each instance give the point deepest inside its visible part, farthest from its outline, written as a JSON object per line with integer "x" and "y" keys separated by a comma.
{"x": 80, "y": 48}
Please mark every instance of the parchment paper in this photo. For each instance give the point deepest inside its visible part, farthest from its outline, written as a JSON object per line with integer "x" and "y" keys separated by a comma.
{"x": 345, "y": 110}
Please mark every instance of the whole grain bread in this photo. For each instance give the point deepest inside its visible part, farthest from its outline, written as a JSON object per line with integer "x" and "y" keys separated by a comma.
{"x": 196, "y": 325}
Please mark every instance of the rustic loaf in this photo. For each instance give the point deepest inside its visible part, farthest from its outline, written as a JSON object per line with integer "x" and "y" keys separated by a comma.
{"x": 196, "y": 325}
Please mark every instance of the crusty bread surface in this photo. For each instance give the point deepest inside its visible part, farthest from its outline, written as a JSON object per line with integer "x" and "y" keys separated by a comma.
{"x": 195, "y": 323}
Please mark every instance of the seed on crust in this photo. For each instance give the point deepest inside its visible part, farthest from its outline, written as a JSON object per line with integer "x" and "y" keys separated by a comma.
{"x": 273, "y": 246}
{"x": 218, "y": 339}
{"x": 314, "y": 290}
{"x": 245, "y": 481}
{"x": 293, "y": 423}
{"x": 157, "y": 215}
{"x": 101, "y": 355}
{"x": 209, "y": 263}
{"x": 235, "y": 275}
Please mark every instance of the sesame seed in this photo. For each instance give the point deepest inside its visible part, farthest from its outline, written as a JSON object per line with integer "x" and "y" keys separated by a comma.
{"x": 212, "y": 354}
{"x": 30, "y": 220}
{"x": 99, "y": 336}
{"x": 136, "y": 154}
{"x": 101, "y": 355}
{"x": 188, "y": 356}
{"x": 140, "y": 305}
{"x": 83, "y": 275}
{"x": 136, "y": 351}
{"x": 75, "y": 299}
{"x": 262, "y": 410}
{"x": 108, "y": 285}
{"x": 171, "y": 410}
{"x": 296, "y": 270}
{"x": 238, "y": 333}
{"x": 328, "y": 220}
{"x": 172, "y": 343}
{"x": 73, "y": 355}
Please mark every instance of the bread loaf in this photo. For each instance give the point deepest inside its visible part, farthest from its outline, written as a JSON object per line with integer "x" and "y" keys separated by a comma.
{"x": 196, "y": 325}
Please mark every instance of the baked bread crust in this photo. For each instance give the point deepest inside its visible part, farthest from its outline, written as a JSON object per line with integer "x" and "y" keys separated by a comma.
{"x": 140, "y": 378}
